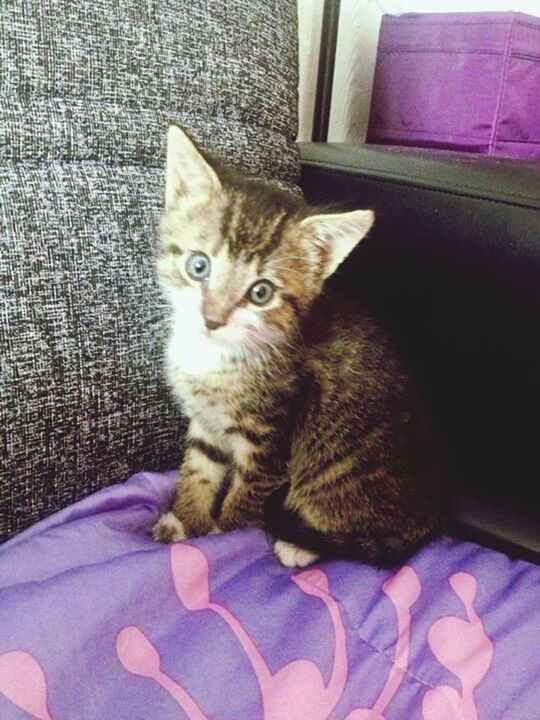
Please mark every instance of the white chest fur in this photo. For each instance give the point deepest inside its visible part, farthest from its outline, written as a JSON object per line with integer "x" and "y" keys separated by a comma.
{"x": 205, "y": 382}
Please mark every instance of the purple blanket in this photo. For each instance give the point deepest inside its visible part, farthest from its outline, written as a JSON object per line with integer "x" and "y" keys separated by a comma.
{"x": 99, "y": 622}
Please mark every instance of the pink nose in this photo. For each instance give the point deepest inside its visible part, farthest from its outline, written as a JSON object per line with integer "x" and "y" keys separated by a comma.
{"x": 213, "y": 323}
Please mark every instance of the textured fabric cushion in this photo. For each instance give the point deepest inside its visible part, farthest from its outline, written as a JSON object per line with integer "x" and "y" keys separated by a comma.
{"x": 87, "y": 89}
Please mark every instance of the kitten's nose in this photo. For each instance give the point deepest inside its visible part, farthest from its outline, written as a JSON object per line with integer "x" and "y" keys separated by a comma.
{"x": 213, "y": 323}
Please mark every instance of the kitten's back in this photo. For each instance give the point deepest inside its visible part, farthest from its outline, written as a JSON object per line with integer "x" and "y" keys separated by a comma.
{"x": 365, "y": 472}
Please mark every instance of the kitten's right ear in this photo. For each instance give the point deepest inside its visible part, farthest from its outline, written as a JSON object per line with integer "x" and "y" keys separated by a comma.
{"x": 188, "y": 177}
{"x": 334, "y": 236}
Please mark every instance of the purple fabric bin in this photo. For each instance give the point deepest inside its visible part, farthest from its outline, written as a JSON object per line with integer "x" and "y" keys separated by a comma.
{"x": 459, "y": 81}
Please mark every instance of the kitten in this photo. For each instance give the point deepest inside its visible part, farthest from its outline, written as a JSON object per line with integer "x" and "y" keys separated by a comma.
{"x": 302, "y": 420}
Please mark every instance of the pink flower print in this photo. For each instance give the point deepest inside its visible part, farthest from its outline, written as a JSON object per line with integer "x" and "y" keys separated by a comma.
{"x": 140, "y": 657}
{"x": 297, "y": 691}
{"x": 463, "y": 647}
{"x": 22, "y": 681}
{"x": 403, "y": 589}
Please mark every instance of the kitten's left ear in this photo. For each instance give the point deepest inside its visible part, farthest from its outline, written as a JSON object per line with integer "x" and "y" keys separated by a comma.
{"x": 189, "y": 176}
{"x": 335, "y": 236}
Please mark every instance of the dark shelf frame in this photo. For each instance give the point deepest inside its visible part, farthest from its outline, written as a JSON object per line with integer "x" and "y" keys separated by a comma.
{"x": 325, "y": 74}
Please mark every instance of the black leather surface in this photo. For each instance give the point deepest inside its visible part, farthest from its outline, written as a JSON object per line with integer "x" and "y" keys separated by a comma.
{"x": 453, "y": 265}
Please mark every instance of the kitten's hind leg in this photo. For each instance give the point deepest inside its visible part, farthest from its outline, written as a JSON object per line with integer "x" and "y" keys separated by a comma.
{"x": 281, "y": 523}
{"x": 292, "y": 556}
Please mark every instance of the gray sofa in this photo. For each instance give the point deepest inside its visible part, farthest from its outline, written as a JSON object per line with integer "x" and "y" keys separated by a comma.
{"x": 86, "y": 92}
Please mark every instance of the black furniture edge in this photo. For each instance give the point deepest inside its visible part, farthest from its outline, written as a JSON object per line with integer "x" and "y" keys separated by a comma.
{"x": 478, "y": 221}
{"x": 496, "y": 179}
{"x": 513, "y": 533}
{"x": 325, "y": 72}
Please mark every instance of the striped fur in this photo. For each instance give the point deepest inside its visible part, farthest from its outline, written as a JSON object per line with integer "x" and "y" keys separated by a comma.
{"x": 303, "y": 419}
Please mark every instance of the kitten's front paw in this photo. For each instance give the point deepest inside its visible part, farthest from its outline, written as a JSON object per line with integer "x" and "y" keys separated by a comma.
{"x": 292, "y": 556}
{"x": 168, "y": 529}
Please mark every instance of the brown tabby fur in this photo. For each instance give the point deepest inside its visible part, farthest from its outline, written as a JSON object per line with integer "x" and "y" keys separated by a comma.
{"x": 314, "y": 430}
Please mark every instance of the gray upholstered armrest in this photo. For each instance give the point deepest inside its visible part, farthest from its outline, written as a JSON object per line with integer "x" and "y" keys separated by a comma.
{"x": 89, "y": 90}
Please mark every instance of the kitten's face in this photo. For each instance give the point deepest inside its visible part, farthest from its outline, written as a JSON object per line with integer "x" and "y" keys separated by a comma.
{"x": 240, "y": 263}
{"x": 237, "y": 299}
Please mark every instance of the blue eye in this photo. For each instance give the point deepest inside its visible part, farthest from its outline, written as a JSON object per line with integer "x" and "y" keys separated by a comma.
{"x": 261, "y": 292}
{"x": 198, "y": 266}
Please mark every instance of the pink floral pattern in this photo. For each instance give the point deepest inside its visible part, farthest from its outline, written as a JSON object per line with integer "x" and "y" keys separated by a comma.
{"x": 463, "y": 647}
{"x": 297, "y": 691}
{"x": 22, "y": 681}
{"x": 97, "y": 621}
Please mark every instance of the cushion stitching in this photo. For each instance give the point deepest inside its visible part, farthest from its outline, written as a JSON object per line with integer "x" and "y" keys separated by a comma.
{"x": 134, "y": 107}
{"x": 356, "y": 629}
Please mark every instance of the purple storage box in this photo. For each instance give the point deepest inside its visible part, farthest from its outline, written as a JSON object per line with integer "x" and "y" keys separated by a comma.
{"x": 460, "y": 81}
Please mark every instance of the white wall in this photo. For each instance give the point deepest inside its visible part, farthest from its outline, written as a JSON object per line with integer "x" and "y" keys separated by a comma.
{"x": 358, "y": 34}
{"x": 309, "y": 35}
{"x": 356, "y": 54}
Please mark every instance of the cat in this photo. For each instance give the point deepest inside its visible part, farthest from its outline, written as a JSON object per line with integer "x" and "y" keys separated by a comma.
{"x": 302, "y": 418}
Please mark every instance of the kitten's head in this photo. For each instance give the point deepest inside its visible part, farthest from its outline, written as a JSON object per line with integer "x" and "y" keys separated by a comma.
{"x": 242, "y": 261}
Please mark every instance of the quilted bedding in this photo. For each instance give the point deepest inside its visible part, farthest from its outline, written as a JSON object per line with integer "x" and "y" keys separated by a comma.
{"x": 99, "y": 622}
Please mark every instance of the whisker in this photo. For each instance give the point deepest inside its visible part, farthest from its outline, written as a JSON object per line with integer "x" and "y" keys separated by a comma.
{"x": 287, "y": 257}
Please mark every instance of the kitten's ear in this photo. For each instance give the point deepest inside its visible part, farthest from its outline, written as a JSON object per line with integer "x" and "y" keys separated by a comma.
{"x": 189, "y": 176}
{"x": 336, "y": 235}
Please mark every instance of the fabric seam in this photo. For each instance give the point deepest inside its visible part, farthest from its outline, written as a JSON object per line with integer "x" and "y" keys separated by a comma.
{"x": 92, "y": 101}
{"x": 357, "y": 632}
{"x": 502, "y": 86}
{"x": 406, "y": 131}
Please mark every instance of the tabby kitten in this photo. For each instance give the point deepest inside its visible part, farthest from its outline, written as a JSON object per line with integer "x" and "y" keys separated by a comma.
{"x": 302, "y": 420}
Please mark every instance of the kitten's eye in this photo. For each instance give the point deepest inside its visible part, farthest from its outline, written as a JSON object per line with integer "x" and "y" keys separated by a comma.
{"x": 198, "y": 266}
{"x": 261, "y": 292}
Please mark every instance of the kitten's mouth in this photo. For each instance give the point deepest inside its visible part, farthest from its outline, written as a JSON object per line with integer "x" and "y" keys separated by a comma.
{"x": 214, "y": 333}
{"x": 218, "y": 336}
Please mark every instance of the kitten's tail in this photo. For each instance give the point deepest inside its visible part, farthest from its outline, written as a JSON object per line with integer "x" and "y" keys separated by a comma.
{"x": 285, "y": 524}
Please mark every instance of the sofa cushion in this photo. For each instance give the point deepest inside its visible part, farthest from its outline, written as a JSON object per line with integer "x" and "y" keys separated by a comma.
{"x": 86, "y": 92}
